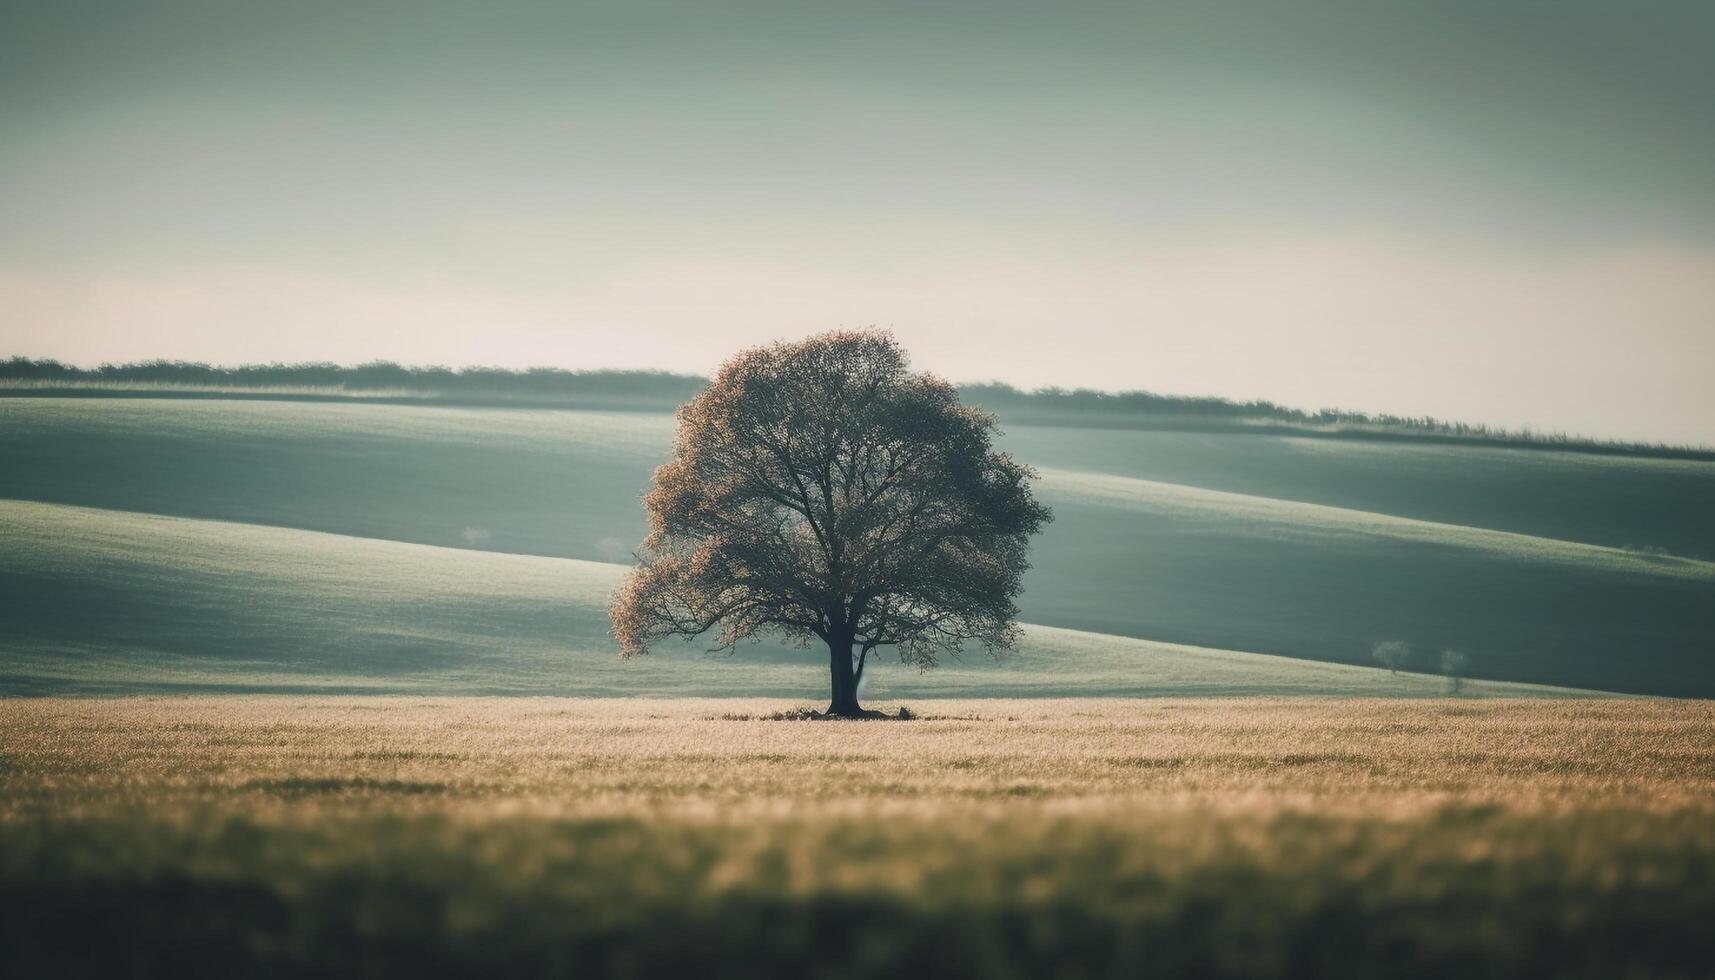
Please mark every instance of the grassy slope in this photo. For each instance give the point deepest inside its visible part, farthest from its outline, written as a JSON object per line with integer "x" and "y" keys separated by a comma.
{"x": 1248, "y": 542}
{"x": 1175, "y": 838}
{"x": 239, "y": 607}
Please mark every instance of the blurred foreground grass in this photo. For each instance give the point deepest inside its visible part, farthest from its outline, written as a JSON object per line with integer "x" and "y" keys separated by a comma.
{"x": 345, "y": 836}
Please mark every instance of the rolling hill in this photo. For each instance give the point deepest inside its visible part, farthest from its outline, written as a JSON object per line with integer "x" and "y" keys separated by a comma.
{"x": 219, "y": 544}
{"x": 107, "y": 602}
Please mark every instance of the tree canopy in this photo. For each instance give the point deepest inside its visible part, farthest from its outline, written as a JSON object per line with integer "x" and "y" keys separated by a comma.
{"x": 821, "y": 490}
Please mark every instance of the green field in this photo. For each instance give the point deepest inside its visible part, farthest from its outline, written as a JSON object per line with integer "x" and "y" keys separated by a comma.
{"x": 374, "y": 547}
{"x": 348, "y": 836}
{"x": 240, "y": 607}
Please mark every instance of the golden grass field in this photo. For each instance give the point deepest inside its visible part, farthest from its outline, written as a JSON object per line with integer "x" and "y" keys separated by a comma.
{"x": 1239, "y": 837}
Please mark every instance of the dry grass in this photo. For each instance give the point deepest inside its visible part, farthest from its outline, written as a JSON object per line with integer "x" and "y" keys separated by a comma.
{"x": 1086, "y": 837}
{"x": 689, "y": 756}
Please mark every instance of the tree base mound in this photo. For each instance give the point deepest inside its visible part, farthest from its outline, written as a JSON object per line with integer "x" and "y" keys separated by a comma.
{"x": 904, "y": 714}
{"x": 811, "y": 714}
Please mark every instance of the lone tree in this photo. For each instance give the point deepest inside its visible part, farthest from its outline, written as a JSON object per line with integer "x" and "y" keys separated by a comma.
{"x": 1454, "y": 663}
{"x": 1391, "y": 654}
{"x": 822, "y": 491}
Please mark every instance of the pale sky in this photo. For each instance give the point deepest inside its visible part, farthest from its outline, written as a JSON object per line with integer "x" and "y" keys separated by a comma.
{"x": 1490, "y": 211}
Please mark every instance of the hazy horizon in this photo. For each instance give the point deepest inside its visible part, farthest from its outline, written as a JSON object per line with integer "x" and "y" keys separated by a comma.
{"x": 1496, "y": 430}
{"x": 1495, "y": 213}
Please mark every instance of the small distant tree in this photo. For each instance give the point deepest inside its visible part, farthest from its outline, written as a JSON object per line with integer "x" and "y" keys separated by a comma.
{"x": 820, "y": 490}
{"x": 1454, "y": 664}
{"x": 1391, "y": 654}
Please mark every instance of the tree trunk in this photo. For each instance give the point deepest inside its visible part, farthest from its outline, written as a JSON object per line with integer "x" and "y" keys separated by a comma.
{"x": 845, "y": 702}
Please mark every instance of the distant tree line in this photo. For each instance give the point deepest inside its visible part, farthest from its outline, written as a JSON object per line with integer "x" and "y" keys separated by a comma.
{"x": 1085, "y": 401}
{"x": 1080, "y": 406}
{"x": 374, "y": 376}
{"x": 1090, "y": 407}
